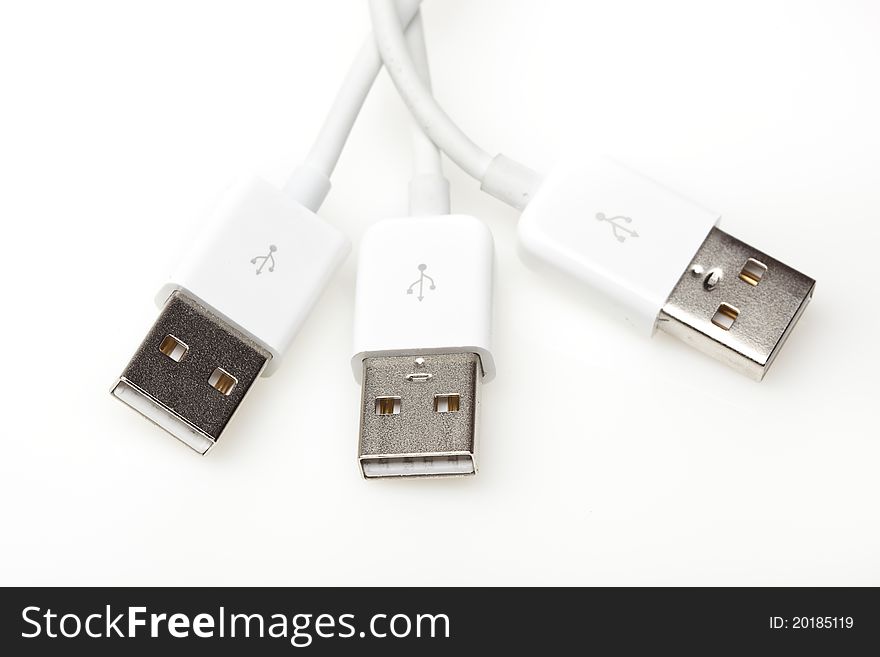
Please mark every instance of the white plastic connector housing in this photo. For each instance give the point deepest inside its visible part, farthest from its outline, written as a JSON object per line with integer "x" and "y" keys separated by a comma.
{"x": 261, "y": 262}
{"x": 424, "y": 285}
{"x": 615, "y": 230}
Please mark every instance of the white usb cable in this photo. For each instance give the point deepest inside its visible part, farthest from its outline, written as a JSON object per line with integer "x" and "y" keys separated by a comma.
{"x": 658, "y": 256}
{"x": 429, "y": 188}
{"x": 310, "y": 183}
{"x": 422, "y": 328}
{"x": 247, "y": 284}
{"x": 499, "y": 176}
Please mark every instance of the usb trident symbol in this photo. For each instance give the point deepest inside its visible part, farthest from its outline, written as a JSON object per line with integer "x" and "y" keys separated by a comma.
{"x": 421, "y": 282}
{"x": 265, "y": 260}
{"x": 620, "y": 232}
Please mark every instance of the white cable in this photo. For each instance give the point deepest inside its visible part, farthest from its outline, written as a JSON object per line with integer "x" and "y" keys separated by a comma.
{"x": 499, "y": 176}
{"x": 434, "y": 121}
{"x": 429, "y": 188}
{"x": 310, "y": 182}
{"x": 426, "y": 155}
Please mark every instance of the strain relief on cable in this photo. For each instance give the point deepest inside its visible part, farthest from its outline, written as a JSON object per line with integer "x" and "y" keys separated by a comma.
{"x": 308, "y": 186}
{"x": 510, "y": 181}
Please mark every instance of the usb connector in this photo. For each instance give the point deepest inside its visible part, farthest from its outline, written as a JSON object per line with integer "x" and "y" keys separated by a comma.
{"x": 191, "y": 372}
{"x": 419, "y": 415}
{"x": 423, "y": 312}
{"x": 230, "y": 311}
{"x": 736, "y": 304}
{"x": 630, "y": 238}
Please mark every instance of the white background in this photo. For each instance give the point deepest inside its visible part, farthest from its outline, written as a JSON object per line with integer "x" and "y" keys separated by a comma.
{"x": 607, "y": 458}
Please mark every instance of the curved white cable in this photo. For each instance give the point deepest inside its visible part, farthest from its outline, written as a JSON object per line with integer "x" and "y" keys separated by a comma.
{"x": 310, "y": 183}
{"x": 500, "y": 176}
{"x": 434, "y": 121}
